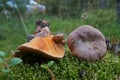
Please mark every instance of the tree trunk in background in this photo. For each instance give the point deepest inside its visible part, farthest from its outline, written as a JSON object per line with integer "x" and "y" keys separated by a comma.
{"x": 118, "y": 11}
{"x": 102, "y": 3}
{"x": 84, "y": 4}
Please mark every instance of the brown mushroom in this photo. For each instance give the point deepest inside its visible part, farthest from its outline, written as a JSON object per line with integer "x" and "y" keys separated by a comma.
{"x": 87, "y": 43}
{"x": 58, "y": 38}
{"x": 42, "y": 46}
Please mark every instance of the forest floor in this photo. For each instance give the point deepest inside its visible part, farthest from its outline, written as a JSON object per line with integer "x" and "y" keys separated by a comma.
{"x": 13, "y": 34}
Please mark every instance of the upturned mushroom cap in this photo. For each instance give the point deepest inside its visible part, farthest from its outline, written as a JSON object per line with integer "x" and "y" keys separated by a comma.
{"x": 87, "y": 43}
{"x": 43, "y": 46}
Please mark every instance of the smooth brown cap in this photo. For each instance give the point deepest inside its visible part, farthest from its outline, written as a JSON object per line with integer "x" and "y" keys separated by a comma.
{"x": 87, "y": 43}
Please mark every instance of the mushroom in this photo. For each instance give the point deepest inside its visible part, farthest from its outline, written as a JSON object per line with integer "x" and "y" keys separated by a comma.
{"x": 42, "y": 46}
{"x": 58, "y": 38}
{"x": 87, "y": 43}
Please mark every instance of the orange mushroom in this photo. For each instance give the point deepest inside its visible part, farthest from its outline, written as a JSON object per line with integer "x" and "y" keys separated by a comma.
{"x": 43, "y": 46}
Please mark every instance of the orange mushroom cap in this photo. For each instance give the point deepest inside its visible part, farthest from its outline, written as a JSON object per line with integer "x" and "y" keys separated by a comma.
{"x": 44, "y": 46}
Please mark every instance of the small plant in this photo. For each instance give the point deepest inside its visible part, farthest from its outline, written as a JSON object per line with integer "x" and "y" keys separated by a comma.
{"x": 6, "y": 64}
{"x": 46, "y": 66}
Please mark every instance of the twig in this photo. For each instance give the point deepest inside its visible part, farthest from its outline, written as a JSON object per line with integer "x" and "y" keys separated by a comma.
{"x": 21, "y": 18}
{"x": 51, "y": 73}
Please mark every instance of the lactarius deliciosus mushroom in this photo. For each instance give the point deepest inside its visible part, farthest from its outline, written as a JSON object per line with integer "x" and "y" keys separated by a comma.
{"x": 42, "y": 46}
{"x": 87, "y": 43}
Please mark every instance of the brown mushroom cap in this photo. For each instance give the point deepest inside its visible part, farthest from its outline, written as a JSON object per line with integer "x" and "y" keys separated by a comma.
{"x": 87, "y": 43}
{"x": 44, "y": 46}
